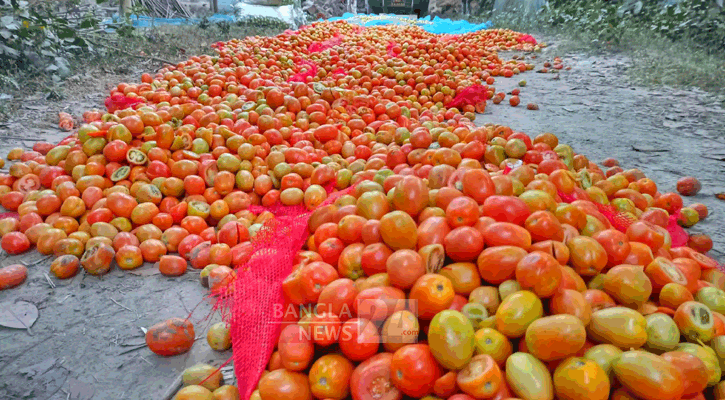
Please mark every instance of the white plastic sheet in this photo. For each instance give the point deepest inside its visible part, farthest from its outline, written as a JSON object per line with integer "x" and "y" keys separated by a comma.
{"x": 291, "y": 14}
{"x": 274, "y": 3}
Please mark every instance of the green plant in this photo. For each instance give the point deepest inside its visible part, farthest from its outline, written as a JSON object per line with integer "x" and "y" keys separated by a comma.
{"x": 35, "y": 37}
{"x": 700, "y": 21}
{"x": 668, "y": 43}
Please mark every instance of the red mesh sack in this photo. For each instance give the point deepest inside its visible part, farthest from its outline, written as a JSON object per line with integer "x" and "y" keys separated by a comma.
{"x": 316, "y": 47}
{"x": 471, "y": 95}
{"x": 118, "y": 101}
{"x": 619, "y": 220}
{"x": 526, "y": 39}
{"x": 248, "y": 305}
{"x": 9, "y": 215}
{"x": 302, "y": 76}
{"x": 679, "y": 236}
{"x": 391, "y": 52}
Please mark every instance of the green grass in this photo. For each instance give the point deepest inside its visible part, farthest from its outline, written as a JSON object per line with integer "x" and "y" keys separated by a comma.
{"x": 655, "y": 60}
{"x": 660, "y": 61}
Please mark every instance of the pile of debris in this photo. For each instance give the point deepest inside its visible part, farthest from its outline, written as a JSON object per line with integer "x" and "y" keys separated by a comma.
{"x": 155, "y": 8}
{"x": 332, "y": 8}
{"x": 164, "y": 8}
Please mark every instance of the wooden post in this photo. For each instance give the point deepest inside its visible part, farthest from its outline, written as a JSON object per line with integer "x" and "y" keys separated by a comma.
{"x": 214, "y": 6}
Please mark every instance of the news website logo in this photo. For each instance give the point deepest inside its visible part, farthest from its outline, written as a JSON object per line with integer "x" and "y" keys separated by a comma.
{"x": 394, "y": 320}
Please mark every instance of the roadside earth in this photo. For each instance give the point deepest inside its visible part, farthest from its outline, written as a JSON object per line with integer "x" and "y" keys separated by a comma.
{"x": 87, "y": 342}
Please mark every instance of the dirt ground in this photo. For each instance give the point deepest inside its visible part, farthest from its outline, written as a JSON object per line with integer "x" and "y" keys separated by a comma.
{"x": 88, "y": 343}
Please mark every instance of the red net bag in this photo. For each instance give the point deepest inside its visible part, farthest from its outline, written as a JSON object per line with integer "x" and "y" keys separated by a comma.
{"x": 248, "y": 305}
{"x": 316, "y": 47}
{"x": 471, "y": 95}
{"x": 118, "y": 101}
{"x": 619, "y": 220}
{"x": 679, "y": 236}
{"x": 311, "y": 70}
{"x": 527, "y": 39}
{"x": 9, "y": 215}
{"x": 391, "y": 49}
{"x": 446, "y": 38}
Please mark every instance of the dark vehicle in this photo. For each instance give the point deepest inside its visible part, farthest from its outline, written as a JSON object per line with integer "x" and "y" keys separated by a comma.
{"x": 418, "y": 8}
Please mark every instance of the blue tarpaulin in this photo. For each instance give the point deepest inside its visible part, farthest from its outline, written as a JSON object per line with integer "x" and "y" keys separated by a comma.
{"x": 435, "y": 25}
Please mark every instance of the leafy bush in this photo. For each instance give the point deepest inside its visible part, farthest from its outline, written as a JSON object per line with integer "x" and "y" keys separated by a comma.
{"x": 34, "y": 37}
{"x": 37, "y": 37}
{"x": 701, "y": 21}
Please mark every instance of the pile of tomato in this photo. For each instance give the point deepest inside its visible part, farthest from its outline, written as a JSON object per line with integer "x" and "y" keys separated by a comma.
{"x": 452, "y": 269}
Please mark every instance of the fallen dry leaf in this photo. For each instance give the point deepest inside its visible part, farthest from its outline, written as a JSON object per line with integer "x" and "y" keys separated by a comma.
{"x": 720, "y": 196}
{"x": 18, "y": 315}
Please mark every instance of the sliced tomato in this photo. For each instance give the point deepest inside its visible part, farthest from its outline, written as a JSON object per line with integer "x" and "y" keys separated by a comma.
{"x": 28, "y": 183}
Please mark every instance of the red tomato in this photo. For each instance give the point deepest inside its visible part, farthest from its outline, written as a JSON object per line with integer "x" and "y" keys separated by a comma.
{"x": 15, "y": 243}
{"x": 314, "y": 277}
{"x": 506, "y": 209}
{"x": 295, "y": 348}
{"x": 506, "y": 234}
{"x": 540, "y": 273}
{"x": 477, "y": 183}
{"x": 645, "y": 232}
{"x": 338, "y": 298}
{"x": 462, "y": 211}
{"x": 359, "y": 339}
{"x": 463, "y": 243}
{"x": 543, "y": 225}
{"x": 615, "y": 243}
{"x": 379, "y": 303}
{"x": 372, "y": 380}
{"x": 414, "y": 370}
